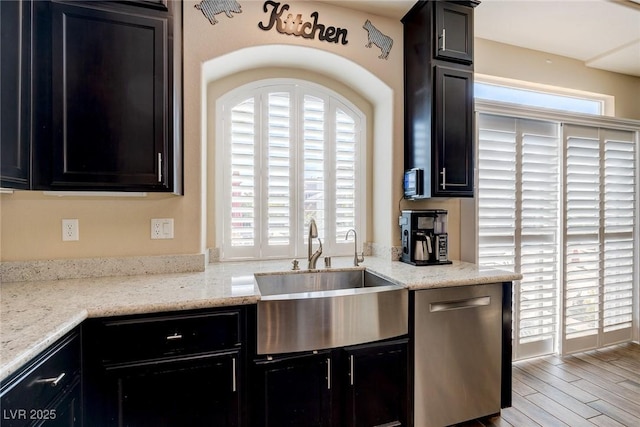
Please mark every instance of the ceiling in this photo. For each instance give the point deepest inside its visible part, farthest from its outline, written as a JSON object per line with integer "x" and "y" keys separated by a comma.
{"x": 604, "y": 34}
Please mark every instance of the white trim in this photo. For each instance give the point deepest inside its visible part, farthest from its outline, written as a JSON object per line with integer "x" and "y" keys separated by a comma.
{"x": 636, "y": 316}
{"x": 94, "y": 194}
{"x": 513, "y": 110}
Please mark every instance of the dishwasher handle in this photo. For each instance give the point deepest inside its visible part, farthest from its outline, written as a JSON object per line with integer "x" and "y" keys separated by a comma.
{"x": 460, "y": 304}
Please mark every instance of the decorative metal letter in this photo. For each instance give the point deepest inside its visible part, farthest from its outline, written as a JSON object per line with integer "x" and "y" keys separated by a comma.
{"x": 295, "y": 25}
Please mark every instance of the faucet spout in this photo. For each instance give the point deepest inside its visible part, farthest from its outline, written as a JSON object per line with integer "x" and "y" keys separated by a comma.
{"x": 313, "y": 233}
{"x": 357, "y": 259}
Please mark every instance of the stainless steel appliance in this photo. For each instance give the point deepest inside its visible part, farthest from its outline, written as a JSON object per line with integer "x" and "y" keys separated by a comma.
{"x": 424, "y": 237}
{"x": 458, "y": 350}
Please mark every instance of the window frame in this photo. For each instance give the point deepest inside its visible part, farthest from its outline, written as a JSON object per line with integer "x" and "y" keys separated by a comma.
{"x": 297, "y": 248}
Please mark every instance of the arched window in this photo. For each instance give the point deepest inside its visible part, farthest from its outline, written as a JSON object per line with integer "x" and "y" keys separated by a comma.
{"x": 289, "y": 150}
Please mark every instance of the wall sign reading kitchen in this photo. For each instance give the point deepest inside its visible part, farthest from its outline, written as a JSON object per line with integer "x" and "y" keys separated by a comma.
{"x": 296, "y": 26}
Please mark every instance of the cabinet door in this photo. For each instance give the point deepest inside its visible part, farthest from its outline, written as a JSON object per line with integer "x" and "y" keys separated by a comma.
{"x": 452, "y": 172}
{"x": 15, "y": 48}
{"x": 376, "y": 393}
{"x": 294, "y": 391}
{"x": 66, "y": 412}
{"x": 110, "y": 99}
{"x": 454, "y": 32}
{"x": 46, "y": 391}
{"x": 186, "y": 393}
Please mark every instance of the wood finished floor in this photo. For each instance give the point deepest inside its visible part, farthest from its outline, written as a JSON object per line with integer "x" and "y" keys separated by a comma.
{"x": 595, "y": 388}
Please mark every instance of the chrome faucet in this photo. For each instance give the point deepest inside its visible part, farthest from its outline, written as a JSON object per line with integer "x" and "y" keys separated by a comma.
{"x": 356, "y": 258}
{"x": 313, "y": 234}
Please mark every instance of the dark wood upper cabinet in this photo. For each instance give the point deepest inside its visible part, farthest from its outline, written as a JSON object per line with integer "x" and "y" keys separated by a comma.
{"x": 454, "y": 32}
{"x": 15, "y": 94}
{"x": 453, "y": 129}
{"x": 111, "y": 96}
{"x": 91, "y": 95}
{"x": 439, "y": 130}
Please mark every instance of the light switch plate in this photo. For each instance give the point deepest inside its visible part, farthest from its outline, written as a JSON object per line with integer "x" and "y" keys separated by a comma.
{"x": 162, "y": 228}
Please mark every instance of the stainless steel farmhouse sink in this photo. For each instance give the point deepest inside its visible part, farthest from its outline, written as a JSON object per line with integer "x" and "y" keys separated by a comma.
{"x": 302, "y": 311}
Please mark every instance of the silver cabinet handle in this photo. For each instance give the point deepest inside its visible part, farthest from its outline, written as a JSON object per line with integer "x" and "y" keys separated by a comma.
{"x": 233, "y": 379}
{"x": 444, "y": 178}
{"x": 443, "y": 37}
{"x": 175, "y": 336}
{"x": 52, "y": 381}
{"x": 456, "y": 305}
{"x": 351, "y": 373}
{"x": 328, "y": 374}
{"x": 159, "y": 167}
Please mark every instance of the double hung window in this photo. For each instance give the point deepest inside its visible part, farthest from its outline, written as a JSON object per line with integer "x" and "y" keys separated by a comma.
{"x": 289, "y": 151}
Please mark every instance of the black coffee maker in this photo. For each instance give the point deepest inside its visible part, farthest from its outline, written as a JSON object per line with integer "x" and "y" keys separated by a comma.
{"x": 424, "y": 237}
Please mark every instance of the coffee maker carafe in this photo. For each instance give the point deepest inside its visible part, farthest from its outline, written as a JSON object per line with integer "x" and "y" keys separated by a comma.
{"x": 424, "y": 237}
{"x": 422, "y": 249}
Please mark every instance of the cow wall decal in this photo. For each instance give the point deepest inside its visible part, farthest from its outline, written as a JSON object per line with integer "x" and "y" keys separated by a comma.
{"x": 210, "y": 8}
{"x": 375, "y": 36}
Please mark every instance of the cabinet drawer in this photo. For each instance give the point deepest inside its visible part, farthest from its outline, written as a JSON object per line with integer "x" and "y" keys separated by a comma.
{"x": 28, "y": 396}
{"x": 136, "y": 339}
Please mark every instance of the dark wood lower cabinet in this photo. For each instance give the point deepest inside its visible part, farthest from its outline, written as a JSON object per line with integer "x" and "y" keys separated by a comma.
{"x": 177, "y": 369}
{"x": 293, "y": 390}
{"x": 189, "y": 369}
{"x": 47, "y": 391}
{"x": 364, "y": 385}
{"x": 68, "y": 410}
{"x": 376, "y": 393}
{"x": 186, "y": 393}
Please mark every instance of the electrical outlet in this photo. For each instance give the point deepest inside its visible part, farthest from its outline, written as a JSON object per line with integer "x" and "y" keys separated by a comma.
{"x": 70, "y": 230}
{"x": 162, "y": 228}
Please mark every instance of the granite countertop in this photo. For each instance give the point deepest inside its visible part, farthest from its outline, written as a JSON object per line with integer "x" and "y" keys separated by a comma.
{"x": 33, "y": 315}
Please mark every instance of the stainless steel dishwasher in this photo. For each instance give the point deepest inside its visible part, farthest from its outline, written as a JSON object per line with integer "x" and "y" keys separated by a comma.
{"x": 458, "y": 348}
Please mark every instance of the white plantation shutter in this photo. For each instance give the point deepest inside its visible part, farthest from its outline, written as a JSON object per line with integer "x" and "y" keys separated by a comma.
{"x": 314, "y": 163}
{"x": 518, "y": 207}
{"x": 539, "y": 258}
{"x": 620, "y": 222}
{"x": 558, "y": 203}
{"x": 289, "y": 152}
{"x": 242, "y": 180}
{"x": 497, "y": 191}
{"x": 599, "y": 245}
{"x": 278, "y": 160}
{"x": 346, "y": 137}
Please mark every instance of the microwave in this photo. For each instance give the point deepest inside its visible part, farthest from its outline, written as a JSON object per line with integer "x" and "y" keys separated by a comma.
{"x": 413, "y": 179}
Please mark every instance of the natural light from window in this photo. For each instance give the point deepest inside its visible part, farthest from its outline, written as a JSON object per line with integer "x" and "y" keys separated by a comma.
{"x": 537, "y": 99}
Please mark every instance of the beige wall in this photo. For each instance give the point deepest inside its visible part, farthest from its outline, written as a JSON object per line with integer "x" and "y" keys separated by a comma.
{"x": 112, "y": 227}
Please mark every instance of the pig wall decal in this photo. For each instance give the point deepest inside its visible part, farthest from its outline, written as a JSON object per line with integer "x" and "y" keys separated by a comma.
{"x": 376, "y": 37}
{"x": 210, "y": 8}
